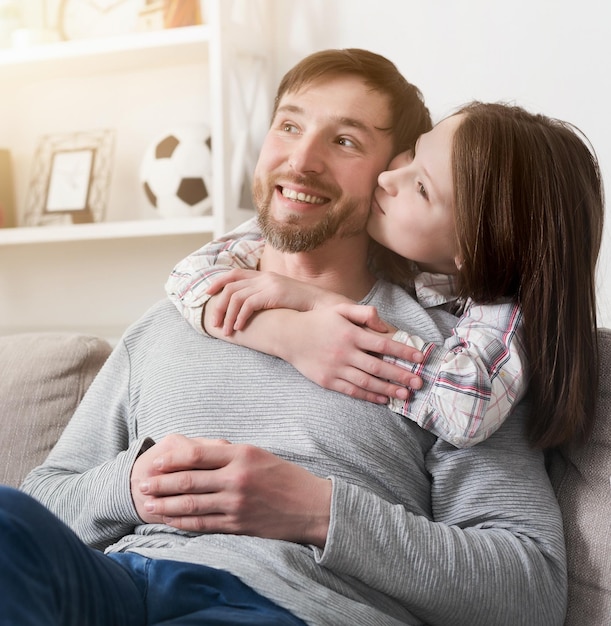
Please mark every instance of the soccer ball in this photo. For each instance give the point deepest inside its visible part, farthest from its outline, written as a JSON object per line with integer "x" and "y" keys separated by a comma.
{"x": 176, "y": 172}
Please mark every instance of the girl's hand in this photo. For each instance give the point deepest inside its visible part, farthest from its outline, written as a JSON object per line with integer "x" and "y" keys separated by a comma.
{"x": 341, "y": 348}
{"x": 240, "y": 293}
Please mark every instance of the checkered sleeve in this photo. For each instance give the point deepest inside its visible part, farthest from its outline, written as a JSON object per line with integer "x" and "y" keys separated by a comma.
{"x": 188, "y": 281}
{"x": 472, "y": 381}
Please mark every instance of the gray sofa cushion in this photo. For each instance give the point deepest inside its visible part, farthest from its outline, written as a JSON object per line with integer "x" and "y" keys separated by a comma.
{"x": 581, "y": 478}
{"x": 43, "y": 377}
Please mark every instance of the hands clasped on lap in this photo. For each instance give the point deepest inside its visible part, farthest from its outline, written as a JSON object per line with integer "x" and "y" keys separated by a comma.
{"x": 213, "y": 486}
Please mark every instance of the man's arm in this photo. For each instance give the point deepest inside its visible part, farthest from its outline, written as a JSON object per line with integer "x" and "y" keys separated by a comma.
{"x": 85, "y": 478}
{"x": 492, "y": 554}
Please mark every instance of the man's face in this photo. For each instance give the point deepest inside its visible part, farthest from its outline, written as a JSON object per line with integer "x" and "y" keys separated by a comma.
{"x": 319, "y": 163}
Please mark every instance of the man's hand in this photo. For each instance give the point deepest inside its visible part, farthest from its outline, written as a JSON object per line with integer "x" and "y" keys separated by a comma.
{"x": 212, "y": 486}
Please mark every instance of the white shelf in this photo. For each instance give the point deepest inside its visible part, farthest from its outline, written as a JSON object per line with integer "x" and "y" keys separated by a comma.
{"x": 132, "y": 51}
{"x": 120, "y": 53}
{"x": 77, "y": 270}
{"x": 106, "y": 230}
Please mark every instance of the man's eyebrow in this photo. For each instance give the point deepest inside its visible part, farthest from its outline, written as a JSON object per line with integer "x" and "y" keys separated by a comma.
{"x": 341, "y": 120}
{"x": 290, "y": 108}
{"x": 358, "y": 124}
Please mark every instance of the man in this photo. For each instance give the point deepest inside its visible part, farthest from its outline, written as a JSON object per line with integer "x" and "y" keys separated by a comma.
{"x": 280, "y": 502}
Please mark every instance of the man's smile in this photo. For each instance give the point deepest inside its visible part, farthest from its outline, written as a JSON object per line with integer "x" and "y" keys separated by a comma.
{"x": 291, "y": 194}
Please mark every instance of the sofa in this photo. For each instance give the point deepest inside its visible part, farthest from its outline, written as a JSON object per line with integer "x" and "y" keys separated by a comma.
{"x": 44, "y": 376}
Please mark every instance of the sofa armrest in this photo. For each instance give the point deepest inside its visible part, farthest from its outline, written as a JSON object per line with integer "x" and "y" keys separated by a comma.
{"x": 43, "y": 378}
{"x": 580, "y": 476}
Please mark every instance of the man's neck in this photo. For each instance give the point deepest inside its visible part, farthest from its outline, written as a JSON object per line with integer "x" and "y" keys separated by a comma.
{"x": 340, "y": 265}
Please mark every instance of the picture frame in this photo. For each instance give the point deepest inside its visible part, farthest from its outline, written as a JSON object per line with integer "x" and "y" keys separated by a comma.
{"x": 70, "y": 179}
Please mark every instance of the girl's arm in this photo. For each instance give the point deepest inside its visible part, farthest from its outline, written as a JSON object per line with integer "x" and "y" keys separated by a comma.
{"x": 188, "y": 287}
{"x": 334, "y": 346}
{"x": 472, "y": 382}
{"x": 241, "y": 293}
{"x": 187, "y": 284}
{"x": 469, "y": 384}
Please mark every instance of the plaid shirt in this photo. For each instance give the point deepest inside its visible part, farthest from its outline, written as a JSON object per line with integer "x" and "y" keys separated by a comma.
{"x": 470, "y": 383}
{"x": 188, "y": 281}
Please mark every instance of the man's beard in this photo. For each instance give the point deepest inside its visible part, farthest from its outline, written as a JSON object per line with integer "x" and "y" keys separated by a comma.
{"x": 347, "y": 219}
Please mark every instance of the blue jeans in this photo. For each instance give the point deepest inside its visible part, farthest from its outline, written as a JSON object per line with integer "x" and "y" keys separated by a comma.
{"x": 48, "y": 576}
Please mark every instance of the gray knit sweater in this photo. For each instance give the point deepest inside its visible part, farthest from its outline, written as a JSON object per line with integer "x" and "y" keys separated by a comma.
{"x": 421, "y": 532}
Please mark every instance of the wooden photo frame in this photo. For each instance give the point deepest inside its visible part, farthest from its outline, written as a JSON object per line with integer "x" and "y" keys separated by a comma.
{"x": 70, "y": 179}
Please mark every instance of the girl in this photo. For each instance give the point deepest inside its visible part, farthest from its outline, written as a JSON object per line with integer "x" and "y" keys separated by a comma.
{"x": 501, "y": 211}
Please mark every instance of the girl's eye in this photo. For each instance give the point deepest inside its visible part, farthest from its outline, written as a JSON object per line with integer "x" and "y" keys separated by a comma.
{"x": 287, "y": 127}
{"x": 422, "y": 191}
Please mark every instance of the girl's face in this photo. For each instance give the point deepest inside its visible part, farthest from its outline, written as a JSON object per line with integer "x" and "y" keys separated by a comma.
{"x": 413, "y": 206}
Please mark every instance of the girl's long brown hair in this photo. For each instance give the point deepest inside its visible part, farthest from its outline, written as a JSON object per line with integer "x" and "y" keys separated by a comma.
{"x": 529, "y": 208}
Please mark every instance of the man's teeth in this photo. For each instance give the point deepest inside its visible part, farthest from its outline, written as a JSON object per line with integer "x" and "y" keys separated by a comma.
{"x": 302, "y": 197}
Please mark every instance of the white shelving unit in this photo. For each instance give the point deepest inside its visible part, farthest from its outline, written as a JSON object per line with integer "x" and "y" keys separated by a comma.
{"x": 99, "y": 277}
{"x": 232, "y": 46}
{"x": 107, "y": 230}
{"x": 118, "y": 53}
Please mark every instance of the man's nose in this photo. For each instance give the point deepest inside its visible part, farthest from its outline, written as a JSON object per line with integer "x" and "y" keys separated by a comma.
{"x": 308, "y": 156}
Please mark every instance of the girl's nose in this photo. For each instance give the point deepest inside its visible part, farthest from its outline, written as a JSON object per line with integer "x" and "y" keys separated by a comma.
{"x": 389, "y": 179}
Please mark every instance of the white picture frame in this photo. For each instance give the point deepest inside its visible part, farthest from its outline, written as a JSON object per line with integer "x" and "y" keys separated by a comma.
{"x": 70, "y": 180}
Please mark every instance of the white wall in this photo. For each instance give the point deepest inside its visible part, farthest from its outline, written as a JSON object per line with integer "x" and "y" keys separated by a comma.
{"x": 547, "y": 55}
{"x": 97, "y": 287}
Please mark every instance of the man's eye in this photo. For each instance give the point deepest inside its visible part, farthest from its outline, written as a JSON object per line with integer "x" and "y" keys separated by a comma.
{"x": 289, "y": 128}
{"x": 422, "y": 191}
{"x": 345, "y": 141}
